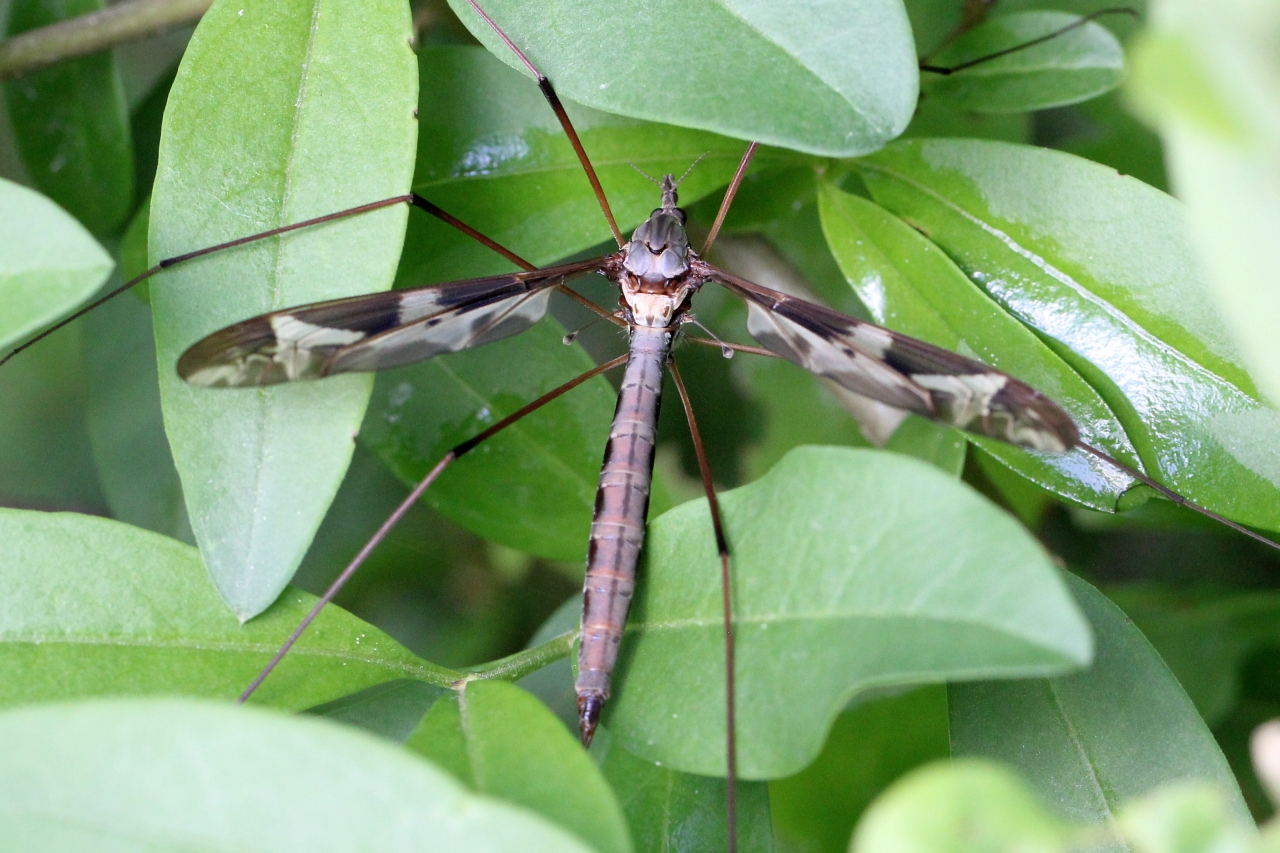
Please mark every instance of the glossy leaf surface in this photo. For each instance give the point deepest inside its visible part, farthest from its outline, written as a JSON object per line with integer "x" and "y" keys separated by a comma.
{"x": 177, "y": 775}
{"x": 499, "y": 740}
{"x": 1100, "y": 266}
{"x": 830, "y": 78}
{"x": 852, "y": 569}
{"x": 1090, "y": 741}
{"x": 1069, "y": 67}
{"x": 49, "y": 264}
{"x": 99, "y": 608}
{"x": 909, "y": 285}
{"x": 71, "y": 122}
{"x": 286, "y": 111}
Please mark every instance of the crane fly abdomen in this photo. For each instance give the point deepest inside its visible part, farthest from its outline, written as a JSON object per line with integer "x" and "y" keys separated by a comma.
{"x": 617, "y": 526}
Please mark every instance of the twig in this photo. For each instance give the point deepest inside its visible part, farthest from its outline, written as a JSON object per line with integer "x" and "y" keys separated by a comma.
{"x": 517, "y": 666}
{"x": 86, "y": 34}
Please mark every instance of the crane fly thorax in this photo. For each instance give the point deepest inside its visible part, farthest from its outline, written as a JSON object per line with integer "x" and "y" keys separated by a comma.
{"x": 655, "y": 263}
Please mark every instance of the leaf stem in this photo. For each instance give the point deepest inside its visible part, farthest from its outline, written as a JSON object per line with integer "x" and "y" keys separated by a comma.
{"x": 517, "y": 666}
{"x": 86, "y": 34}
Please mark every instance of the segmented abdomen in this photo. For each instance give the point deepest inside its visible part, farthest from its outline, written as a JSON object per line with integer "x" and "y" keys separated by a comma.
{"x": 617, "y": 527}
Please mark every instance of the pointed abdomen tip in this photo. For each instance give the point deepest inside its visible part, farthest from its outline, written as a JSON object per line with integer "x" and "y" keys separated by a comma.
{"x": 589, "y": 707}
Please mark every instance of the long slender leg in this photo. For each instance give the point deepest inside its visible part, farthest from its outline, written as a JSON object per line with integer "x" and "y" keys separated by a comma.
{"x": 411, "y": 198}
{"x": 722, "y": 547}
{"x": 721, "y": 345}
{"x": 1092, "y": 16}
{"x": 1174, "y": 496}
{"x": 729, "y": 194}
{"x": 449, "y": 219}
{"x": 408, "y": 502}
{"x": 208, "y": 250}
{"x": 553, "y": 99}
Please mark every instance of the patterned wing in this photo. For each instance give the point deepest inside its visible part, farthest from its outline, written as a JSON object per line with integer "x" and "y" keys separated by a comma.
{"x": 902, "y": 372}
{"x": 371, "y": 332}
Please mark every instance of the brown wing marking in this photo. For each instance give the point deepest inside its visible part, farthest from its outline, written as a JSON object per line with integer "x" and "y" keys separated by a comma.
{"x": 378, "y": 330}
{"x": 901, "y": 371}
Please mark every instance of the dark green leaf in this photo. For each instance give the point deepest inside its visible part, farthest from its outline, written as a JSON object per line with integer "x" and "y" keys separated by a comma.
{"x": 98, "y": 608}
{"x": 836, "y": 79}
{"x": 680, "y": 812}
{"x": 530, "y": 487}
{"x": 936, "y": 118}
{"x": 72, "y": 123}
{"x": 279, "y": 112}
{"x": 910, "y": 286}
{"x": 47, "y": 460}
{"x": 942, "y": 447}
{"x": 869, "y": 747}
{"x": 1102, "y": 267}
{"x": 392, "y": 709}
{"x": 49, "y": 265}
{"x": 177, "y": 775}
{"x": 1090, "y": 741}
{"x": 1102, "y": 130}
{"x": 1071, "y": 66}
{"x": 126, "y": 429}
{"x": 499, "y": 740}
{"x": 852, "y": 569}
{"x": 1204, "y": 637}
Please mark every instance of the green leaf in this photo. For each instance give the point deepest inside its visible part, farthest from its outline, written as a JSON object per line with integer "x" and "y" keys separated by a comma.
{"x": 176, "y": 775}
{"x": 47, "y": 461}
{"x": 71, "y": 123}
{"x": 280, "y": 113}
{"x": 98, "y": 608}
{"x": 835, "y": 79}
{"x": 1188, "y": 818}
{"x": 1205, "y": 78}
{"x": 1100, "y": 266}
{"x": 392, "y": 709}
{"x": 1204, "y": 636}
{"x": 1092, "y": 740}
{"x": 530, "y": 487}
{"x": 126, "y": 429}
{"x": 851, "y": 569}
{"x": 962, "y": 807}
{"x": 1073, "y": 66}
{"x": 49, "y": 264}
{"x": 870, "y": 746}
{"x": 492, "y": 153}
{"x": 1103, "y": 131}
{"x": 499, "y": 740}
{"x": 673, "y": 811}
{"x": 909, "y": 285}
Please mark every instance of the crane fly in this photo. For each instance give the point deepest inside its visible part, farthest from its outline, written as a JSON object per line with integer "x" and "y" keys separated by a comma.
{"x": 658, "y": 274}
